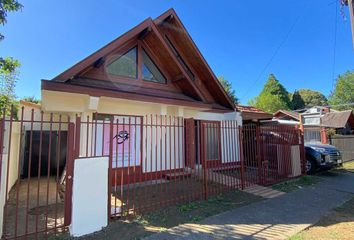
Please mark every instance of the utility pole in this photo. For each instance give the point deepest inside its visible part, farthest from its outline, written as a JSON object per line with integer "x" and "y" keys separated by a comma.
{"x": 351, "y": 11}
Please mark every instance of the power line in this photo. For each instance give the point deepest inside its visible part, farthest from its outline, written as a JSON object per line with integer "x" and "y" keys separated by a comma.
{"x": 275, "y": 53}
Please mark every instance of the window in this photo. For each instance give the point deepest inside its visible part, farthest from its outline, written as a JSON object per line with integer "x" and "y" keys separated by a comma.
{"x": 212, "y": 141}
{"x": 150, "y": 72}
{"x": 125, "y": 66}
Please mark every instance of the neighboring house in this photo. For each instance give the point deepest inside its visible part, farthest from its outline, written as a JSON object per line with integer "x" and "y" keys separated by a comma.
{"x": 342, "y": 121}
{"x": 286, "y": 115}
{"x": 317, "y": 119}
{"x": 252, "y": 114}
{"x": 312, "y": 116}
{"x": 311, "y": 123}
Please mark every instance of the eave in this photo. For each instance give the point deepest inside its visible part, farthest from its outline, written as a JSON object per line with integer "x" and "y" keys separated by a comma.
{"x": 51, "y": 85}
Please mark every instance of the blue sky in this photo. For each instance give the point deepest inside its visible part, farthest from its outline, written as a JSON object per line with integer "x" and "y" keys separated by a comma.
{"x": 237, "y": 38}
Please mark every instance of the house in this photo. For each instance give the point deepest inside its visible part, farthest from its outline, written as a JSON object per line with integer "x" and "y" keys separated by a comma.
{"x": 152, "y": 71}
{"x": 317, "y": 119}
{"x": 139, "y": 124}
{"x": 341, "y": 121}
{"x": 286, "y": 115}
{"x": 251, "y": 114}
{"x": 283, "y": 117}
{"x": 312, "y": 116}
{"x": 311, "y": 123}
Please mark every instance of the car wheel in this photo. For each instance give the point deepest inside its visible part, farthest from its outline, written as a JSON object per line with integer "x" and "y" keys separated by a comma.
{"x": 310, "y": 166}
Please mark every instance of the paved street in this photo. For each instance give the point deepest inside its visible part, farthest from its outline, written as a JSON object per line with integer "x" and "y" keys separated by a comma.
{"x": 276, "y": 218}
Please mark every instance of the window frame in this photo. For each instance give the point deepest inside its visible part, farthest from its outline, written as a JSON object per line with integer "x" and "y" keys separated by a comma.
{"x": 140, "y": 46}
{"x": 122, "y": 54}
{"x": 152, "y": 60}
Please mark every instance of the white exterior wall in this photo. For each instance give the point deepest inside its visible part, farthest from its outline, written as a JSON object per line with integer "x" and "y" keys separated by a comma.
{"x": 163, "y": 146}
{"x": 155, "y": 137}
{"x": 9, "y": 161}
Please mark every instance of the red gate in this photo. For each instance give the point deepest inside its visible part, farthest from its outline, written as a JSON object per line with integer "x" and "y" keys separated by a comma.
{"x": 37, "y": 158}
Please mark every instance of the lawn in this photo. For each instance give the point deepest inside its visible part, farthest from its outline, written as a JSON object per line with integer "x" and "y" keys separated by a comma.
{"x": 294, "y": 184}
{"x": 348, "y": 166}
{"x": 339, "y": 224}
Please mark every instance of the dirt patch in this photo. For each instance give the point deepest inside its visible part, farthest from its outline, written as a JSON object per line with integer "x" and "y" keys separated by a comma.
{"x": 34, "y": 205}
{"x": 139, "y": 226}
{"x": 151, "y": 196}
{"x": 339, "y": 224}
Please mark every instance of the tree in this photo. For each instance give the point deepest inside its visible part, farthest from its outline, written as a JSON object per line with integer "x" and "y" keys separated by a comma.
{"x": 31, "y": 99}
{"x": 342, "y": 98}
{"x": 297, "y": 102}
{"x": 8, "y": 81}
{"x": 228, "y": 88}
{"x": 5, "y": 7}
{"x": 8, "y": 64}
{"x": 273, "y": 97}
{"x": 306, "y": 98}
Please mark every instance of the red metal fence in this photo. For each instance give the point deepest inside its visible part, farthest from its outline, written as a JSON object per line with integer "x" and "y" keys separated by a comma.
{"x": 158, "y": 161}
{"x": 36, "y": 160}
{"x": 155, "y": 161}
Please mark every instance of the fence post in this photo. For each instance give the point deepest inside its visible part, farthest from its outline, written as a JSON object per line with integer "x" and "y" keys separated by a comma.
{"x": 70, "y": 156}
{"x": 240, "y": 134}
{"x": 302, "y": 152}
{"x": 77, "y": 136}
{"x": 258, "y": 152}
{"x": 203, "y": 160}
{"x": 110, "y": 168}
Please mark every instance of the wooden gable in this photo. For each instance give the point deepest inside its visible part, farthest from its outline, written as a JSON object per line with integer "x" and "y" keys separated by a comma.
{"x": 188, "y": 77}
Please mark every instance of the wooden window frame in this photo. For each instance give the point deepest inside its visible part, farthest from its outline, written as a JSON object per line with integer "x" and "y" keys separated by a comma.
{"x": 140, "y": 46}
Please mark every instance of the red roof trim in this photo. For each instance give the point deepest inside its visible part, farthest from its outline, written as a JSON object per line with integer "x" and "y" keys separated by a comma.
{"x": 172, "y": 12}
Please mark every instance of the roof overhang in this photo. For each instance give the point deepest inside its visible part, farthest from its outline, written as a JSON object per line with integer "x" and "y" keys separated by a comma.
{"x": 97, "y": 92}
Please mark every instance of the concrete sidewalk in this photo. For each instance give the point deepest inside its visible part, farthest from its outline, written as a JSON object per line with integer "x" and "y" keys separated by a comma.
{"x": 277, "y": 218}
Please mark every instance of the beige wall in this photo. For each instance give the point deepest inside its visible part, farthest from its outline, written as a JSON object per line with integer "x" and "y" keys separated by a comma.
{"x": 9, "y": 163}
{"x": 72, "y": 104}
{"x": 153, "y": 154}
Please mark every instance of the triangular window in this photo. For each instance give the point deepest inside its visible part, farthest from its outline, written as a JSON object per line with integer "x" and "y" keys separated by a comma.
{"x": 125, "y": 66}
{"x": 150, "y": 72}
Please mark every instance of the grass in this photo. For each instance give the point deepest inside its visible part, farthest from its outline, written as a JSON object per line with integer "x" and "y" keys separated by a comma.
{"x": 339, "y": 224}
{"x": 294, "y": 184}
{"x": 143, "y": 225}
{"x": 348, "y": 166}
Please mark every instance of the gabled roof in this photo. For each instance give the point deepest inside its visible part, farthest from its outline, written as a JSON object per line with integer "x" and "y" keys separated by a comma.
{"x": 253, "y": 113}
{"x": 338, "y": 119}
{"x": 290, "y": 114}
{"x": 242, "y": 108}
{"x": 193, "y": 89}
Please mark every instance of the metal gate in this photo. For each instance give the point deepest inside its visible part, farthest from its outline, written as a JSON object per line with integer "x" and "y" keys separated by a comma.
{"x": 272, "y": 153}
{"x": 36, "y": 156}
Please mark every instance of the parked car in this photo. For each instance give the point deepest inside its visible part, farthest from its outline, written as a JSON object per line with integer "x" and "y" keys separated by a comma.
{"x": 321, "y": 156}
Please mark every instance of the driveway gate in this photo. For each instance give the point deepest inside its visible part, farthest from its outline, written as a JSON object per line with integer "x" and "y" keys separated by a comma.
{"x": 36, "y": 174}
